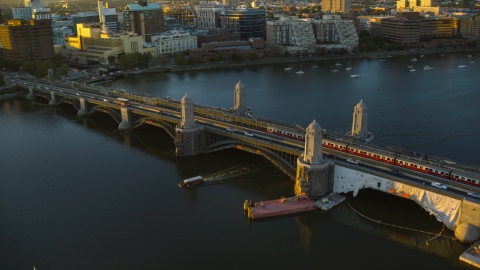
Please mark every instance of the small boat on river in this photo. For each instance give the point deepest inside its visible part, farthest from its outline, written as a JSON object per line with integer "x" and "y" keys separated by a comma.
{"x": 287, "y": 68}
{"x": 348, "y": 68}
{"x": 354, "y": 76}
{"x": 300, "y": 72}
{"x": 427, "y": 68}
{"x": 189, "y": 182}
{"x": 414, "y": 59}
{"x": 462, "y": 66}
{"x": 338, "y": 64}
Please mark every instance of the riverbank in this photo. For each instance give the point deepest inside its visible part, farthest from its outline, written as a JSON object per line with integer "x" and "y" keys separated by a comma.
{"x": 276, "y": 61}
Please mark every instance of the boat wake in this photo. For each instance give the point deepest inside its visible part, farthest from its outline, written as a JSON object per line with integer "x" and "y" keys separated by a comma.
{"x": 232, "y": 172}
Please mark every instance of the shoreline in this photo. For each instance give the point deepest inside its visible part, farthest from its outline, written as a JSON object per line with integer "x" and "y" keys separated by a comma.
{"x": 281, "y": 60}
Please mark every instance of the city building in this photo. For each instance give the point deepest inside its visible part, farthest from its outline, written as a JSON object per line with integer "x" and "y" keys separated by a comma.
{"x": 5, "y": 14}
{"x": 27, "y": 40}
{"x": 184, "y": 14}
{"x": 144, "y": 19}
{"x": 401, "y": 31}
{"x": 333, "y": 32}
{"x": 336, "y": 6}
{"x": 94, "y": 45}
{"x": 208, "y": 16}
{"x": 60, "y": 34}
{"x": 231, "y": 48}
{"x": 212, "y": 35}
{"x": 171, "y": 24}
{"x": 22, "y": 13}
{"x": 111, "y": 21}
{"x": 290, "y": 34}
{"x": 470, "y": 27}
{"x": 248, "y": 22}
{"x": 173, "y": 42}
{"x": 409, "y": 29}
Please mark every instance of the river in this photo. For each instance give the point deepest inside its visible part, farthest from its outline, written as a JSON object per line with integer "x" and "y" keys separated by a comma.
{"x": 75, "y": 193}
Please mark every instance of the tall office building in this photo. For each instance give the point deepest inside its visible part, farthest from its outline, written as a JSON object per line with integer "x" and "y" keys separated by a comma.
{"x": 251, "y": 23}
{"x": 27, "y": 40}
{"x": 336, "y": 6}
{"x": 145, "y": 19}
{"x": 208, "y": 16}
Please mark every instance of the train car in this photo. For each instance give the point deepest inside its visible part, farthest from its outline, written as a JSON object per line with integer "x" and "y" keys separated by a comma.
{"x": 416, "y": 165}
{"x": 372, "y": 153}
{"x": 465, "y": 177}
{"x": 287, "y": 132}
{"x": 339, "y": 146}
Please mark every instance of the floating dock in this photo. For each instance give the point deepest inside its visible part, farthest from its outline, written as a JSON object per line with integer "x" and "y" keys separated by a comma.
{"x": 329, "y": 201}
{"x": 279, "y": 207}
{"x": 472, "y": 255}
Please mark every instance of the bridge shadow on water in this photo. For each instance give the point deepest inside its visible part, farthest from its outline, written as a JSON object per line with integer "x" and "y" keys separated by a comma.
{"x": 229, "y": 167}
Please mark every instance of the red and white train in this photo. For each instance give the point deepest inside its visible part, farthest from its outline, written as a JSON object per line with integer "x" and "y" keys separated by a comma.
{"x": 458, "y": 175}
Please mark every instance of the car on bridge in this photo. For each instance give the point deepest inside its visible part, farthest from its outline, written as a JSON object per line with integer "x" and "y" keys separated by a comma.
{"x": 351, "y": 160}
{"x": 438, "y": 185}
{"x": 230, "y": 129}
{"x": 248, "y": 134}
{"x": 397, "y": 173}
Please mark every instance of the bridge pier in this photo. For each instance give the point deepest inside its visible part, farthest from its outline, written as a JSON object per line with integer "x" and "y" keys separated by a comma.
{"x": 126, "y": 119}
{"x": 31, "y": 93}
{"x": 314, "y": 174}
{"x": 53, "y": 99}
{"x": 190, "y": 138}
{"x": 83, "y": 107}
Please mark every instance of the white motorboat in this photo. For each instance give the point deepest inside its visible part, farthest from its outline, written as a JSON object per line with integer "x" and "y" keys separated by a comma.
{"x": 300, "y": 72}
{"x": 470, "y": 55}
{"x": 287, "y": 68}
{"x": 338, "y": 64}
{"x": 471, "y": 62}
{"x": 414, "y": 59}
{"x": 354, "y": 76}
{"x": 348, "y": 68}
{"x": 413, "y": 70}
{"x": 428, "y": 68}
{"x": 382, "y": 60}
{"x": 421, "y": 55}
{"x": 410, "y": 66}
{"x": 462, "y": 66}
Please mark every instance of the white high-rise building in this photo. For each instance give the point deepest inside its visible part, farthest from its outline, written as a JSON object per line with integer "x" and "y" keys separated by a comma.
{"x": 173, "y": 42}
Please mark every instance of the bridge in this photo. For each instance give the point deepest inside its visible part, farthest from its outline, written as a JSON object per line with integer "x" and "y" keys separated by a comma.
{"x": 316, "y": 170}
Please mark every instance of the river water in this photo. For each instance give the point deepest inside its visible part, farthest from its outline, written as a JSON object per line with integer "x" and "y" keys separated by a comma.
{"x": 77, "y": 194}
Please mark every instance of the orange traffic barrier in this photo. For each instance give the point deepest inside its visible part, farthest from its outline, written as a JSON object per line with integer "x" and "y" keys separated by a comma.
{"x": 406, "y": 196}
{"x": 392, "y": 191}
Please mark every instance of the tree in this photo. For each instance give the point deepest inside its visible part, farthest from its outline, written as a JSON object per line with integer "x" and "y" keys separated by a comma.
{"x": 217, "y": 58}
{"x": 2, "y": 81}
{"x": 111, "y": 60}
{"x": 386, "y": 46}
{"x": 191, "y": 61}
{"x": 286, "y": 54}
{"x": 205, "y": 59}
{"x": 122, "y": 58}
{"x": 29, "y": 67}
{"x": 180, "y": 59}
{"x": 252, "y": 56}
{"x": 63, "y": 70}
{"x": 131, "y": 60}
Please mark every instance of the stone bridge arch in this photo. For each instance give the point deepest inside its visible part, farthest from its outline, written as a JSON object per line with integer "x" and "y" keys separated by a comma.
{"x": 278, "y": 161}
{"x": 154, "y": 122}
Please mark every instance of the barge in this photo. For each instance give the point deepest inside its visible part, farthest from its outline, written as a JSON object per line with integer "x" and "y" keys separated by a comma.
{"x": 279, "y": 207}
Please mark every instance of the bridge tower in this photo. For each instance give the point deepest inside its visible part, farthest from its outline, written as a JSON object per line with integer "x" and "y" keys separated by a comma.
{"x": 190, "y": 138}
{"x": 240, "y": 101}
{"x": 31, "y": 93}
{"x": 314, "y": 174}
{"x": 360, "y": 120}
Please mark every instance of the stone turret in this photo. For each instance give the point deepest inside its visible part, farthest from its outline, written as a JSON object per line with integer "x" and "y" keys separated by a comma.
{"x": 189, "y": 137}
{"x": 313, "y": 144}
{"x": 314, "y": 173}
{"x": 360, "y": 120}
{"x": 188, "y": 115}
{"x": 240, "y": 98}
